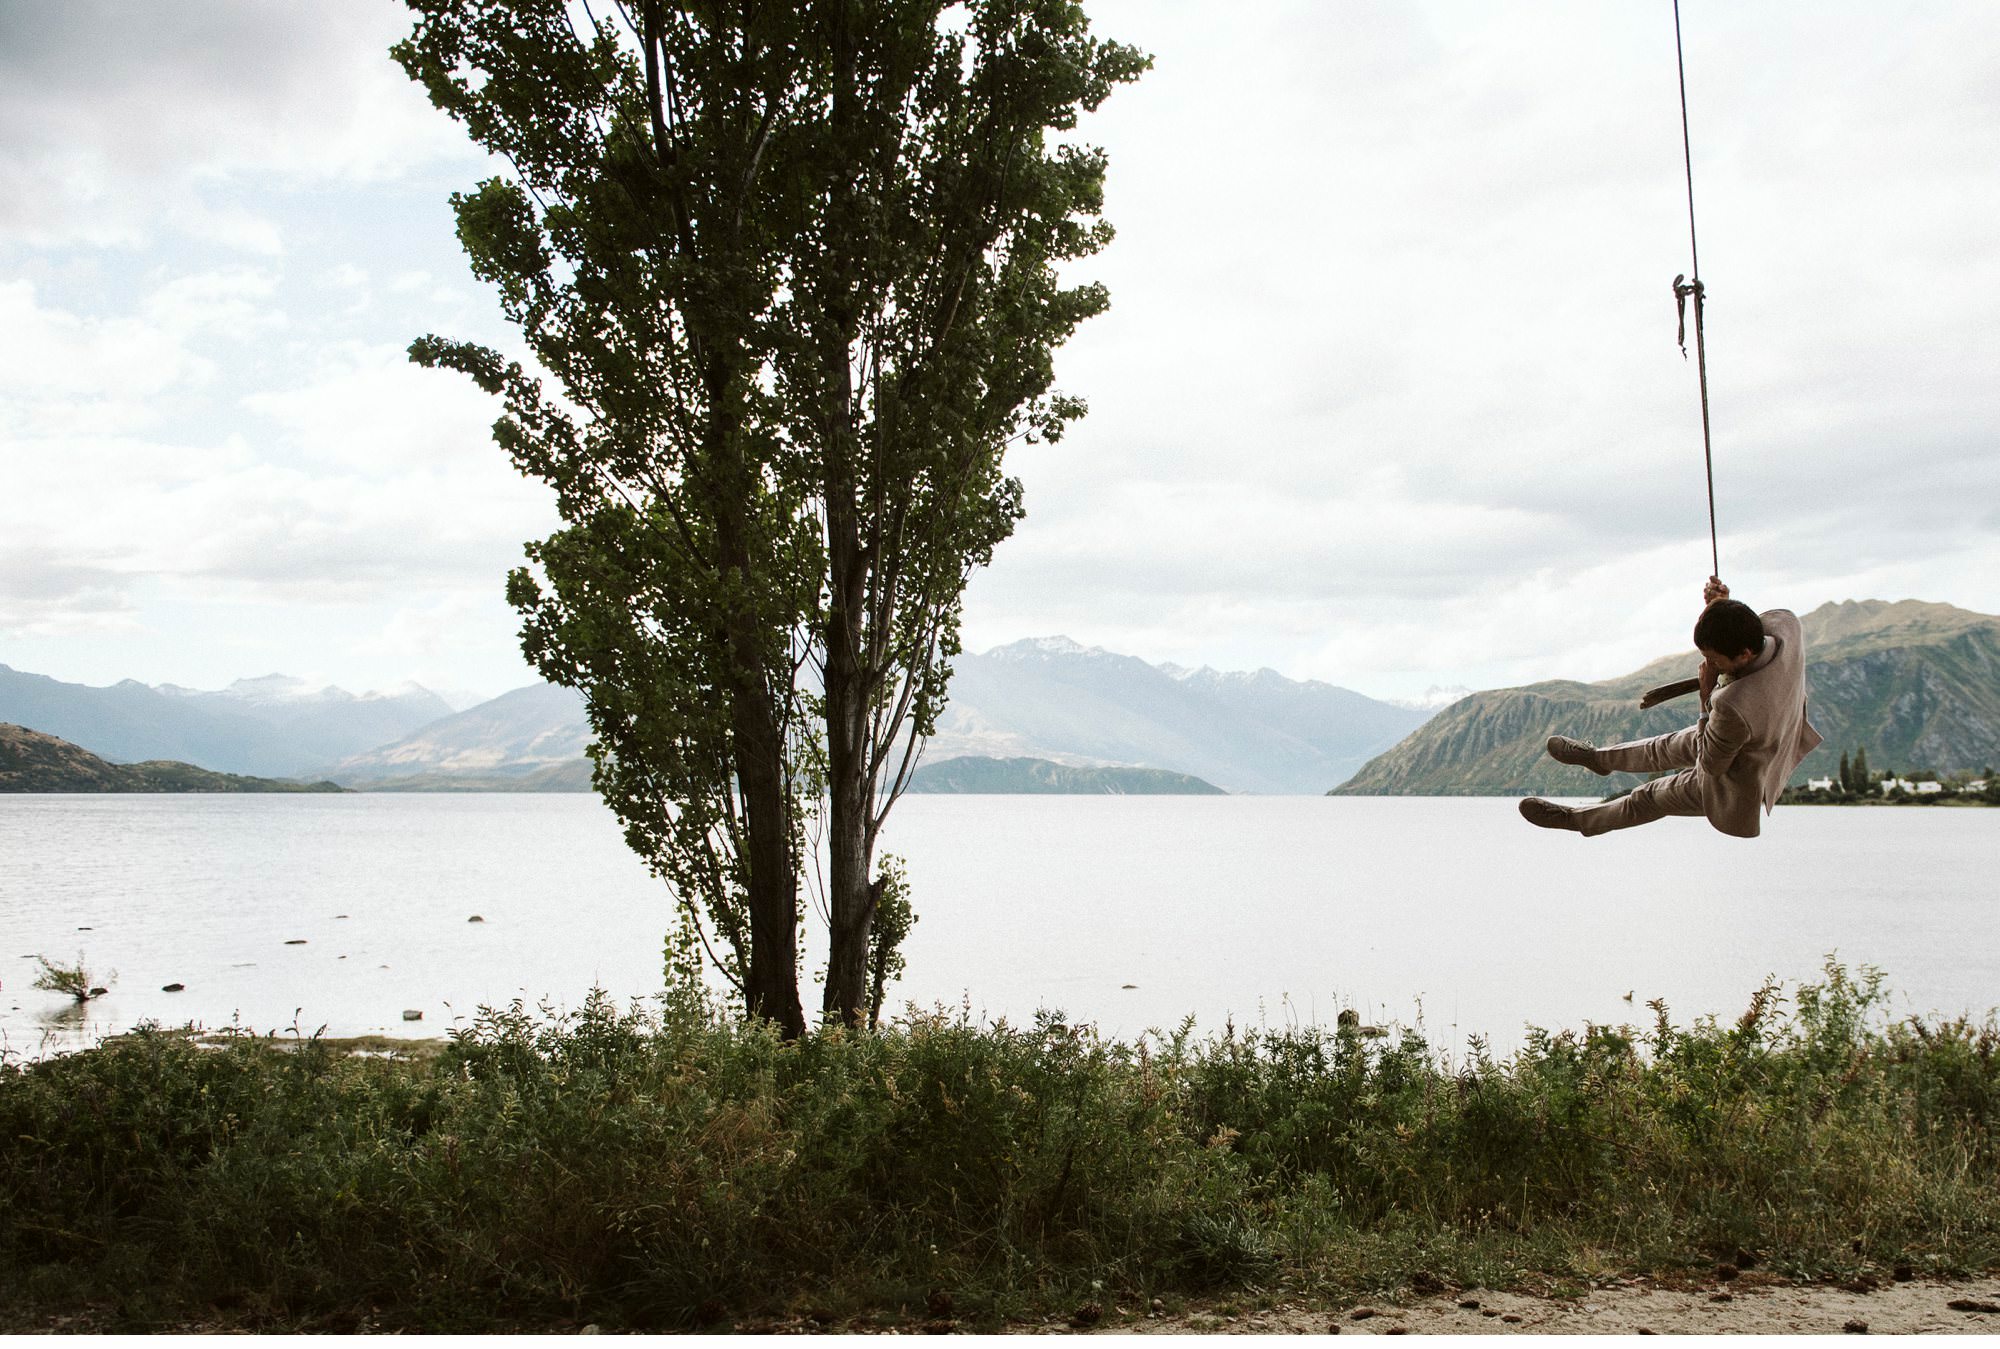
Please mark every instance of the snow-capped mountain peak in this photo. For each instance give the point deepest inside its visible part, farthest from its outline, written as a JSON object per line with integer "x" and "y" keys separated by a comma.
{"x": 1044, "y": 647}
{"x": 284, "y": 688}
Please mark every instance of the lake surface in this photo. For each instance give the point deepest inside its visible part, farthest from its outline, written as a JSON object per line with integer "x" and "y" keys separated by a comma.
{"x": 1266, "y": 909}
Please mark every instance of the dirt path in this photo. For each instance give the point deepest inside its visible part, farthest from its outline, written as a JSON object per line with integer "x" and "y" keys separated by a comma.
{"x": 1748, "y": 1306}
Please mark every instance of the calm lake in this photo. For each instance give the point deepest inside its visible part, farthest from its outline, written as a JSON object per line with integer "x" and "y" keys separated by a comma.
{"x": 1265, "y": 909}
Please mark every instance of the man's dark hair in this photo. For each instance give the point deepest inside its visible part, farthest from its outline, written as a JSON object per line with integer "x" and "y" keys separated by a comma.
{"x": 1730, "y": 627}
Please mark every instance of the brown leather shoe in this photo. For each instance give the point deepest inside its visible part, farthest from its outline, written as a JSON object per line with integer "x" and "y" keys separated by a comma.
{"x": 1547, "y": 814}
{"x": 1574, "y": 752}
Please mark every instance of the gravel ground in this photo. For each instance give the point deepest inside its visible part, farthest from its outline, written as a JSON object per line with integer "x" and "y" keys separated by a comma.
{"x": 1744, "y": 1306}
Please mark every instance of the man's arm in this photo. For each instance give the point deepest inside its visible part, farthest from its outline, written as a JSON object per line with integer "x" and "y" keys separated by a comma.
{"x": 1723, "y": 736}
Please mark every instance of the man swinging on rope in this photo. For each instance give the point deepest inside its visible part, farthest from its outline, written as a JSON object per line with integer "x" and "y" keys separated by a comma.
{"x": 1753, "y": 732}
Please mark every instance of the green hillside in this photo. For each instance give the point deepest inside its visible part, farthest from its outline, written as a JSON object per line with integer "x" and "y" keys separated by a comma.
{"x": 571, "y": 776}
{"x": 976, "y": 774}
{"x": 1917, "y": 684}
{"x": 33, "y": 762}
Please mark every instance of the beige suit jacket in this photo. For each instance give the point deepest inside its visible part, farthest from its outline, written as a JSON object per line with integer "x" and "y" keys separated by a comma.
{"x": 1755, "y": 731}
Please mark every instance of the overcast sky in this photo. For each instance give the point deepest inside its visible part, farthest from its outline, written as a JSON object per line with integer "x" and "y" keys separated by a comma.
{"x": 1387, "y": 396}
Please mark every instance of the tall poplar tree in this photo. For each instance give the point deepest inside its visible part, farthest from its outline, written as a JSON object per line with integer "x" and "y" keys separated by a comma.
{"x": 792, "y": 267}
{"x": 942, "y": 200}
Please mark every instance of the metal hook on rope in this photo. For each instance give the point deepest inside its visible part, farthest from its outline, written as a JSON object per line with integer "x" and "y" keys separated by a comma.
{"x": 1682, "y": 289}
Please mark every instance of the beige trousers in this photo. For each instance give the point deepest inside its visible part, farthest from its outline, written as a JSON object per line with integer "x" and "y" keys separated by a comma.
{"x": 1678, "y": 794}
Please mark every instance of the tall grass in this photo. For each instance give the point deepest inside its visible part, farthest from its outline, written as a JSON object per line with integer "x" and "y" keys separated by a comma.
{"x": 673, "y": 1168}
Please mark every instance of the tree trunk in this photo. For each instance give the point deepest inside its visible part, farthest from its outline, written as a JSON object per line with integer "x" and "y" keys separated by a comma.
{"x": 850, "y": 898}
{"x": 771, "y": 984}
{"x": 849, "y": 783}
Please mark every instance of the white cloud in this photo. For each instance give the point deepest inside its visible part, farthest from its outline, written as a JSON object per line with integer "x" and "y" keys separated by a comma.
{"x": 1387, "y": 394}
{"x": 238, "y": 528}
{"x": 42, "y": 599}
{"x": 369, "y": 409}
{"x": 1399, "y": 324}
{"x": 117, "y": 120}
{"x": 365, "y": 483}
{"x": 65, "y": 373}
{"x": 232, "y": 303}
{"x": 429, "y": 638}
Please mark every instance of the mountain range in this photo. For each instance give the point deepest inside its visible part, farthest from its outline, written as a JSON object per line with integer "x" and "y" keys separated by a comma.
{"x": 1916, "y": 684}
{"x": 274, "y": 726}
{"x": 1046, "y": 698}
{"x": 533, "y": 739}
{"x": 1051, "y": 698}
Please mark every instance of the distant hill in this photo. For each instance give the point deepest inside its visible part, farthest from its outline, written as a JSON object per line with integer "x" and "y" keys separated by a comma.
{"x": 273, "y": 726}
{"x": 532, "y": 739}
{"x": 1050, "y": 698}
{"x": 1047, "y": 699}
{"x": 33, "y": 762}
{"x": 570, "y": 776}
{"x": 975, "y": 774}
{"x": 1917, "y": 684}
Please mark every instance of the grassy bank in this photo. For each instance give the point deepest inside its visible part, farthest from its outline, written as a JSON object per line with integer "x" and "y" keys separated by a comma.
{"x": 670, "y": 1171}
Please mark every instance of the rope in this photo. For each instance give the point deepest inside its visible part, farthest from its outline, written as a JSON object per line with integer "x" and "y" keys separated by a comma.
{"x": 1690, "y": 285}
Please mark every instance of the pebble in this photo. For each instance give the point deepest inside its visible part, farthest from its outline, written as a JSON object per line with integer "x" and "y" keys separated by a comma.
{"x": 475, "y": 919}
{"x": 172, "y": 988}
{"x": 296, "y": 941}
{"x": 1511, "y": 1319}
{"x": 1855, "y": 1328}
{"x": 1471, "y": 1304}
{"x": 1362, "y": 1313}
{"x": 412, "y": 1014}
{"x": 1128, "y": 985}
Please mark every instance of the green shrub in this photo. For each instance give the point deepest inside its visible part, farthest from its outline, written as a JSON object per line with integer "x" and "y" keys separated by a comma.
{"x": 666, "y": 1169}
